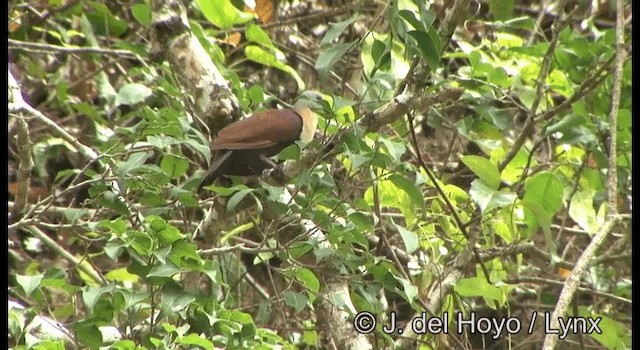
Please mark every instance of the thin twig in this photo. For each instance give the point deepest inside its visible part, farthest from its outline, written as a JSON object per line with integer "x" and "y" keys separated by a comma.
{"x": 559, "y": 24}
{"x": 574, "y": 190}
{"x": 536, "y": 27}
{"x": 82, "y": 265}
{"x": 590, "y": 83}
{"x": 299, "y": 19}
{"x": 50, "y": 49}
{"x": 538, "y": 280}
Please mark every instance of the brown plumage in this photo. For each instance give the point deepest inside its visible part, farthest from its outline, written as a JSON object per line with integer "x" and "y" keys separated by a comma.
{"x": 260, "y": 131}
{"x": 244, "y": 147}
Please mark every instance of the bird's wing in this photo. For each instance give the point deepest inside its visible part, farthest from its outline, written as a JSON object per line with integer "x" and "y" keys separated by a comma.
{"x": 261, "y": 130}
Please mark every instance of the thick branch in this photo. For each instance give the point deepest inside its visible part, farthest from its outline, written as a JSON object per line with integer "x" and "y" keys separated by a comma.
{"x": 172, "y": 40}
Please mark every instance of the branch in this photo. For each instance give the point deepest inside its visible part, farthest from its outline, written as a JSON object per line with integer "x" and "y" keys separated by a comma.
{"x": 17, "y": 104}
{"x": 559, "y": 24}
{"x": 538, "y": 280}
{"x": 612, "y": 172}
{"x": 372, "y": 122}
{"x": 23, "y": 143}
{"x": 82, "y": 264}
{"x": 52, "y": 49}
{"x": 573, "y": 281}
{"x": 214, "y": 104}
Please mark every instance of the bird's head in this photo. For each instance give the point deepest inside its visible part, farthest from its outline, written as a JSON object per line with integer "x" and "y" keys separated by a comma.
{"x": 306, "y": 101}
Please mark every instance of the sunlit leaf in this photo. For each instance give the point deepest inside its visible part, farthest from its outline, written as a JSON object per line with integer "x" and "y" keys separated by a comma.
{"x": 222, "y": 13}
{"x": 257, "y": 54}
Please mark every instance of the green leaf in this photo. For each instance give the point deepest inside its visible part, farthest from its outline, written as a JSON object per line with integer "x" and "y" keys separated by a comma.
{"x": 568, "y": 122}
{"x": 237, "y": 198}
{"x": 255, "y": 34}
{"x": 240, "y": 317}
{"x": 195, "y": 340}
{"x": 410, "y": 291}
{"x": 29, "y": 283}
{"x": 256, "y": 94}
{"x": 290, "y": 152}
{"x": 120, "y": 275}
{"x": 132, "y": 94}
{"x": 124, "y": 345}
{"x": 185, "y": 256}
{"x": 428, "y": 48}
{"x": 91, "y": 295}
{"x": 103, "y": 21}
{"x": 409, "y": 188}
{"x": 106, "y": 307}
{"x": 248, "y": 331}
{"x": 72, "y": 215}
{"x": 222, "y": 13}
{"x": 624, "y": 119}
{"x": 393, "y": 196}
{"x": 502, "y": 10}
{"x": 142, "y": 13}
{"x": 488, "y": 198}
{"x": 165, "y": 270}
{"x": 214, "y": 51}
{"x": 545, "y": 190}
{"x": 484, "y": 169}
{"x": 174, "y": 166}
{"x": 257, "y": 54}
{"x": 614, "y": 335}
{"x": 204, "y": 150}
{"x": 478, "y": 287}
{"x": 337, "y": 28}
{"x": 362, "y": 221}
{"x": 135, "y": 161}
{"x": 111, "y": 201}
{"x": 381, "y": 55}
{"x": 500, "y": 77}
{"x": 298, "y": 301}
{"x": 116, "y": 226}
{"x": 428, "y": 16}
{"x": 174, "y": 300}
{"x": 583, "y": 212}
{"x": 536, "y": 50}
{"x": 330, "y": 55}
{"x": 88, "y": 334}
{"x": 309, "y": 280}
{"x": 141, "y": 242}
{"x": 394, "y": 149}
{"x": 410, "y": 239}
{"x": 165, "y": 232}
{"x": 412, "y": 19}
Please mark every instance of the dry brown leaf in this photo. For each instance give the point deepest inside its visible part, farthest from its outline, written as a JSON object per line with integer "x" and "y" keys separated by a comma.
{"x": 265, "y": 9}
{"x": 232, "y": 39}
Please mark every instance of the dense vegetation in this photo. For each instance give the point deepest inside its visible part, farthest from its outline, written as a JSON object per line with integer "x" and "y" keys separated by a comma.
{"x": 472, "y": 161}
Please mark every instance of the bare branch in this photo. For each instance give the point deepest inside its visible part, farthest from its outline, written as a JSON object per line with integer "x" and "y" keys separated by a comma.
{"x": 53, "y": 49}
{"x": 573, "y": 281}
{"x": 612, "y": 173}
{"x": 82, "y": 265}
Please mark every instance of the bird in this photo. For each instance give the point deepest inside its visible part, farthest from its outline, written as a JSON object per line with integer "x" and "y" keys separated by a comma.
{"x": 244, "y": 147}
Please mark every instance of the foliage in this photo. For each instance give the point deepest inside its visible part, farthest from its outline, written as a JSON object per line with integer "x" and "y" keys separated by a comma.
{"x": 390, "y": 229}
